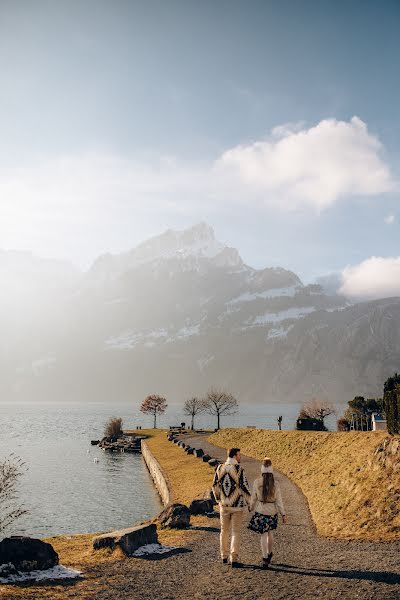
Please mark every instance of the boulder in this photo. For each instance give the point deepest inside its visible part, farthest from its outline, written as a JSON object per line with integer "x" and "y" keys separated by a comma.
{"x": 206, "y": 457}
{"x": 190, "y": 450}
{"x": 183, "y": 445}
{"x": 175, "y": 441}
{"x": 213, "y": 462}
{"x": 27, "y": 554}
{"x": 201, "y": 506}
{"x": 128, "y": 539}
{"x": 176, "y": 516}
{"x": 198, "y": 453}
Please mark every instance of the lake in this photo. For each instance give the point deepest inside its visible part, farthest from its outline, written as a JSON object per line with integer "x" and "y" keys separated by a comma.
{"x": 66, "y": 491}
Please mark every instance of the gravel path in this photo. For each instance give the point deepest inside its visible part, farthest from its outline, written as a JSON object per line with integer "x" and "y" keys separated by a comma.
{"x": 305, "y": 565}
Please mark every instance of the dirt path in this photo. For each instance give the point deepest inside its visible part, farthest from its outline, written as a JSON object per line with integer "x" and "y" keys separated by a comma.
{"x": 305, "y": 566}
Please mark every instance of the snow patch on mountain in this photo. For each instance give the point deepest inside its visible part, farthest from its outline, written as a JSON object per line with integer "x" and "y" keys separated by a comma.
{"x": 204, "y": 361}
{"x": 288, "y": 292}
{"x": 283, "y": 315}
{"x": 278, "y": 332}
{"x": 150, "y": 338}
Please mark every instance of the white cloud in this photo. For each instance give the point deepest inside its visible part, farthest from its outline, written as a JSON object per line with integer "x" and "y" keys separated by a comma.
{"x": 373, "y": 278}
{"x": 83, "y": 204}
{"x": 314, "y": 167}
{"x": 390, "y": 219}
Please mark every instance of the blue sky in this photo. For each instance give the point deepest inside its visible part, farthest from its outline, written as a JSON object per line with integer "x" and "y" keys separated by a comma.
{"x": 121, "y": 119}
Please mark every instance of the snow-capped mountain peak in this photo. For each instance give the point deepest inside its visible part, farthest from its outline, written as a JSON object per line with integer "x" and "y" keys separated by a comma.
{"x": 193, "y": 245}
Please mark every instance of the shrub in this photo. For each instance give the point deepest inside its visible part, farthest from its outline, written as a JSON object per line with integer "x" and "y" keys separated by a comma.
{"x": 308, "y": 424}
{"x": 391, "y": 403}
{"x": 113, "y": 428}
{"x": 343, "y": 424}
{"x": 11, "y": 469}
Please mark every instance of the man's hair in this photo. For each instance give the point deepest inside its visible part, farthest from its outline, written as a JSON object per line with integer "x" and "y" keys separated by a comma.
{"x": 232, "y": 452}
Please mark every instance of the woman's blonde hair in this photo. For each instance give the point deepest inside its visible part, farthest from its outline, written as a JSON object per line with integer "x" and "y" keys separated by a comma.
{"x": 268, "y": 484}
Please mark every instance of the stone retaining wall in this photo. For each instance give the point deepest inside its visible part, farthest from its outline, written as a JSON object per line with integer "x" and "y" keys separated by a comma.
{"x": 159, "y": 477}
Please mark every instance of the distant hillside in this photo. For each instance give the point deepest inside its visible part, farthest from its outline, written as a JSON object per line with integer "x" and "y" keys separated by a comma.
{"x": 182, "y": 312}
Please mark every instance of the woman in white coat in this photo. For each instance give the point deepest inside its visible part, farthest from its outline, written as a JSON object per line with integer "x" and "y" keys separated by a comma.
{"x": 266, "y": 501}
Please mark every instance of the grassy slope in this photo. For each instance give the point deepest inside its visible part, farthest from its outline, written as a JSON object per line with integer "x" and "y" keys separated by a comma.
{"x": 76, "y": 551}
{"x": 189, "y": 477}
{"x": 350, "y": 493}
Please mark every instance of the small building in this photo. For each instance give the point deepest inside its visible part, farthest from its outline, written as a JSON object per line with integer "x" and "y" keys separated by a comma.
{"x": 378, "y": 422}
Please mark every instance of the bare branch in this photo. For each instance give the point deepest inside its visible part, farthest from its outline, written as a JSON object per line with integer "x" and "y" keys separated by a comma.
{"x": 11, "y": 469}
{"x": 317, "y": 409}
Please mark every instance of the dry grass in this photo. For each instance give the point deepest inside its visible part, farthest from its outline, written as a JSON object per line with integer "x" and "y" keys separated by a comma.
{"x": 351, "y": 492}
{"x": 189, "y": 478}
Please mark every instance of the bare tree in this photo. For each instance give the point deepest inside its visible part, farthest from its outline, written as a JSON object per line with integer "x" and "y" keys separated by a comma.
{"x": 113, "y": 428}
{"x": 11, "y": 469}
{"x": 153, "y": 405}
{"x": 192, "y": 407}
{"x": 218, "y": 403}
{"x": 317, "y": 409}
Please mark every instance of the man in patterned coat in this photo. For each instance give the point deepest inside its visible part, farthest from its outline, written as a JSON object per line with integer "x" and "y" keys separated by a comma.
{"x": 232, "y": 493}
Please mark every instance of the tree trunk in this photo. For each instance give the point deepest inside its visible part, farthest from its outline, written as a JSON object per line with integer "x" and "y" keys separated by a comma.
{"x": 218, "y": 415}
{"x": 192, "y": 422}
{"x": 155, "y": 420}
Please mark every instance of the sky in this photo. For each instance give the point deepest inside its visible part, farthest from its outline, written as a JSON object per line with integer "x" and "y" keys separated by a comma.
{"x": 276, "y": 122}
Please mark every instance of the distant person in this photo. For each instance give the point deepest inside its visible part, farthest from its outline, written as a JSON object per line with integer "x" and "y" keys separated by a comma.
{"x": 280, "y": 423}
{"x": 232, "y": 493}
{"x": 266, "y": 501}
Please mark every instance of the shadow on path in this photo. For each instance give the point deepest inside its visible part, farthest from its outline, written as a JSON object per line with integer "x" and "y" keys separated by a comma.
{"x": 378, "y": 576}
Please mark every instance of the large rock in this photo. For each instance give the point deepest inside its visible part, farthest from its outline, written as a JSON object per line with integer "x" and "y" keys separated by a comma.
{"x": 176, "y": 516}
{"x": 199, "y": 453}
{"x": 128, "y": 539}
{"x": 213, "y": 462}
{"x": 27, "y": 554}
{"x": 206, "y": 457}
{"x": 190, "y": 450}
{"x": 201, "y": 506}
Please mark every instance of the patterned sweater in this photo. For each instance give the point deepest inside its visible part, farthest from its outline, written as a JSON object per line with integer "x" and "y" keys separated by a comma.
{"x": 230, "y": 485}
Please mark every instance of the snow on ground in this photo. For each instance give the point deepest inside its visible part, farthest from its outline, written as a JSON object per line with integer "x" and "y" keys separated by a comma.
{"x": 288, "y": 292}
{"x": 149, "y": 549}
{"x": 57, "y": 572}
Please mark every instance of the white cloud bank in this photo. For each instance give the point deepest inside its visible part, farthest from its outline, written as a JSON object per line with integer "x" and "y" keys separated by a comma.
{"x": 373, "y": 278}
{"x": 314, "y": 167}
{"x": 80, "y": 205}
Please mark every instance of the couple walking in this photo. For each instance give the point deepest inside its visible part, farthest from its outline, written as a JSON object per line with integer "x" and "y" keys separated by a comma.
{"x": 231, "y": 490}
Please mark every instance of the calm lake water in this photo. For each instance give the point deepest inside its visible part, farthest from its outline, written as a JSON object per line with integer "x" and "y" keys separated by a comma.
{"x": 66, "y": 491}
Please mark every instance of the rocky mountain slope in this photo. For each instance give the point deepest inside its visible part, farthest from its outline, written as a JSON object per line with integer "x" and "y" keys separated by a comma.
{"x": 182, "y": 312}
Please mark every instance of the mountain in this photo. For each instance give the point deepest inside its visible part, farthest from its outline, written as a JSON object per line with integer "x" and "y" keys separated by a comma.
{"x": 182, "y": 312}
